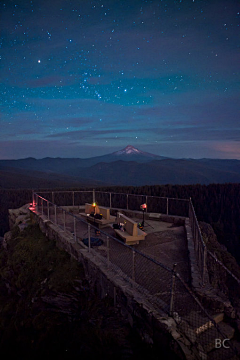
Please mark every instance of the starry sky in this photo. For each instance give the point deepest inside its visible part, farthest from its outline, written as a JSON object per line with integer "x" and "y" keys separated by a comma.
{"x": 85, "y": 78}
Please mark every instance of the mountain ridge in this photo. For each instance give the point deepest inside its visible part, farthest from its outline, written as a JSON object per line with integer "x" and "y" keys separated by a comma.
{"x": 128, "y": 166}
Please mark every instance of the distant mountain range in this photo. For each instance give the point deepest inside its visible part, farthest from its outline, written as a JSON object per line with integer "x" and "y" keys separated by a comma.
{"x": 128, "y": 166}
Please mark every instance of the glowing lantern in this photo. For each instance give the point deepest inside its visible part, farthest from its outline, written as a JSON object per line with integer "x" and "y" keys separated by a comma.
{"x": 143, "y": 207}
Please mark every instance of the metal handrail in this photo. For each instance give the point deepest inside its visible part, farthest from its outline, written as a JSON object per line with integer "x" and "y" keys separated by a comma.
{"x": 172, "y": 271}
{"x": 198, "y": 240}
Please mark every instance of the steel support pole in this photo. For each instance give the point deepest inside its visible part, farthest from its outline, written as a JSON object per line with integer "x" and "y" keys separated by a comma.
{"x": 204, "y": 265}
{"x": 48, "y": 210}
{"x": 172, "y": 289}
{"x": 189, "y": 211}
{"x": 133, "y": 265}
{"x": 75, "y": 230}
{"x": 108, "y": 251}
{"x": 89, "y": 238}
{"x": 73, "y": 197}
{"x": 114, "y": 297}
{"x": 55, "y": 210}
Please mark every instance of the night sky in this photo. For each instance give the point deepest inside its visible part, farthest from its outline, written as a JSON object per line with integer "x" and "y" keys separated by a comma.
{"x": 85, "y": 78}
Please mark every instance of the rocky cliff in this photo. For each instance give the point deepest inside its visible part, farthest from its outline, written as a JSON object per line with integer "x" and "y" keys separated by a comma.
{"x": 47, "y": 308}
{"x": 221, "y": 280}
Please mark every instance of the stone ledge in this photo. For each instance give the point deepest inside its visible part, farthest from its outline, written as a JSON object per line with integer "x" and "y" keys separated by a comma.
{"x": 137, "y": 306}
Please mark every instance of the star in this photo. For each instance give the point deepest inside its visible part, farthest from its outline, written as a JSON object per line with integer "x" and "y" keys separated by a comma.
{"x": 169, "y": 69}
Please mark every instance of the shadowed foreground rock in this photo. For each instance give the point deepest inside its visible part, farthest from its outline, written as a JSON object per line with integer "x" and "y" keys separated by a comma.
{"x": 47, "y": 309}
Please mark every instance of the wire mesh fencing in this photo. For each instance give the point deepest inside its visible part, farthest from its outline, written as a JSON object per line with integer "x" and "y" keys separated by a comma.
{"x": 82, "y": 197}
{"x": 103, "y": 198}
{"x": 121, "y": 256}
{"x": 177, "y": 207}
{"x": 163, "y": 286}
{"x": 223, "y": 279}
{"x": 198, "y": 326}
{"x": 119, "y": 201}
{"x": 156, "y": 204}
{"x": 155, "y": 278}
{"x": 199, "y": 245}
{"x": 68, "y": 198}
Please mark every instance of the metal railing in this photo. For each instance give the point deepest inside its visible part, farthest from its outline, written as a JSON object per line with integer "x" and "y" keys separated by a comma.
{"x": 162, "y": 286}
{"x": 223, "y": 279}
{"x": 155, "y": 204}
{"x": 199, "y": 245}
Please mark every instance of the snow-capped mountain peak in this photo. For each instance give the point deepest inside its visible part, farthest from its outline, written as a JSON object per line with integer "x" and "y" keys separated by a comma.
{"x": 128, "y": 150}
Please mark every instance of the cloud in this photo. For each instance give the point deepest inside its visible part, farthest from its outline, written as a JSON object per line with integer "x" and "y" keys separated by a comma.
{"x": 49, "y": 81}
{"x": 82, "y": 134}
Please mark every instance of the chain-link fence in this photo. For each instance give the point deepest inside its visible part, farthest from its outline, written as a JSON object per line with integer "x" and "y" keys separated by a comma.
{"x": 198, "y": 326}
{"x": 155, "y": 204}
{"x": 68, "y": 198}
{"x": 223, "y": 279}
{"x": 199, "y": 245}
{"x": 163, "y": 286}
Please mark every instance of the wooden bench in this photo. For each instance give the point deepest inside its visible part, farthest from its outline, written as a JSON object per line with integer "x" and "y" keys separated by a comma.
{"x": 132, "y": 234}
{"x": 107, "y": 218}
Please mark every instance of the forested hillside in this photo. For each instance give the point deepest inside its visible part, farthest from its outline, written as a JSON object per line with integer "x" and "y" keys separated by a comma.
{"x": 217, "y": 204}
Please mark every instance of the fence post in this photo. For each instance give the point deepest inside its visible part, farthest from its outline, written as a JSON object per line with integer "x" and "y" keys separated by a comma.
{"x": 127, "y": 201}
{"x": 146, "y": 203}
{"x": 167, "y": 206}
{"x": 114, "y": 296}
{"x": 133, "y": 265}
{"x": 93, "y": 195}
{"x": 89, "y": 238}
{"x": 42, "y": 206}
{"x": 189, "y": 211}
{"x": 73, "y": 197}
{"x": 64, "y": 220}
{"x": 37, "y": 202}
{"x": 32, "y": 197}
{"x": 172, "y": 289}
{"x": 110, "y": 200}
{"x": 108, "y": 251}
{"x": 48, "y": 210}
{"x": 55, "y": 208}
{"x": 75, "y": 231}
{"x": 52, "y": 196}
{"x": 204, "y": 265}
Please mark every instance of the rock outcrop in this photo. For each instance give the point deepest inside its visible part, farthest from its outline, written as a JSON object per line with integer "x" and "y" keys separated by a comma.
{"x": 47, "y": 308}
